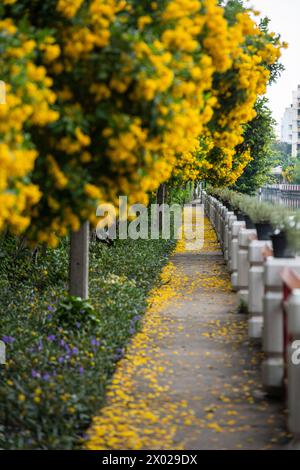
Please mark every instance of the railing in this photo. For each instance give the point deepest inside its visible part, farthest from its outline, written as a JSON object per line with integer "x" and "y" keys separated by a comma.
{"x": 287, "y": 195}
{"x": 270, "y": 287}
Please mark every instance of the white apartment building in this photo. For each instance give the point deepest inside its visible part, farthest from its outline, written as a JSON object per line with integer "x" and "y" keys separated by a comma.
{"x": 290, "y": 124}
{"x": 296, "y": 123}
{"x": 287, "y": 126}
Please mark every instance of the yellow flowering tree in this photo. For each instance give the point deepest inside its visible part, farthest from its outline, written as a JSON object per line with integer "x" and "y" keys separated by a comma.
{"x": 133, "y": 86}
{"x": 254, "y": 54}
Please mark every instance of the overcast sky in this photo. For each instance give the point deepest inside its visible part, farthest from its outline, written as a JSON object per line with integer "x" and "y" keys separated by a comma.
{"x": 285, "y": 19}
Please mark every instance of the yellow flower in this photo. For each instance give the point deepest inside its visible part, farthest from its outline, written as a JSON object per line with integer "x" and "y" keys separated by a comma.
{"x": 143, "y": 21}
{"x": 51, "y": 52}
{"x": 69, "y": 8}
{"x": 92, "y": 191}
{"x": 84, "y": 139}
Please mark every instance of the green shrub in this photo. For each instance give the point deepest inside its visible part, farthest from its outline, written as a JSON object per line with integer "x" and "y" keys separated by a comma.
{"x": 71, "y": 310}
{"x": 181, "y": 195}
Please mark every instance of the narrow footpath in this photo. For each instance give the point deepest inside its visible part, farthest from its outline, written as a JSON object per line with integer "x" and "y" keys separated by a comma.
{"x": 190, "y": 378}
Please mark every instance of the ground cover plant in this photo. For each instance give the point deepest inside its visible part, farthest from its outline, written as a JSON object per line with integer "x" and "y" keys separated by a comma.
{"x": 61, "y": 351}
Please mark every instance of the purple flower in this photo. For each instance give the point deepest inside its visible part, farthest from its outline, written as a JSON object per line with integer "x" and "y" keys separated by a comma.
{"x": 78, "y": 324}
{"x": 75, "y": 350}
{"x": 95, "y": 342}
{"x": 49, "y": 317}
{"x": 51, "y": 338}
{"x": 51, "y": 308}
{"x": 61, "y": 360}
{"x": 35, "y": 374}
{"x": 46, "y": 377}
{"x": 8, "y": 339}
{"x": 81, "y": 370}
{"x": 132, "y": 330}
{"x": 136, "y": 318}
{"x": 119, "y": 353}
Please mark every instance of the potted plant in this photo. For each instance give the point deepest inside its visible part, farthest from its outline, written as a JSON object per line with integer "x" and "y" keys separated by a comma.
{"x": 293, "y": 233}
{"x": 225, "y": 195}
{"x": 282, "y": 222}
{"x": 235, "y": 200}
{"x": 261, "y": 215}
{"x": 244, "y": 203}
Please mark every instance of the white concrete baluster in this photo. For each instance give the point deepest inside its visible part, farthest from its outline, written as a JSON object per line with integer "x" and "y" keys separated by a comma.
{"x": 293, "y": 370}
{"x": 256, "y": 287}
{"x": 273, "y": 365}
{"x": 233, "y": 252}
{"x": 244, "y": 238}
{"x": 230, "y": 217}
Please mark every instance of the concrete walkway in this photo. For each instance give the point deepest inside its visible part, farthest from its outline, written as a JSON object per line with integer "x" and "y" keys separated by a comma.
{"x": 190, "y": 378}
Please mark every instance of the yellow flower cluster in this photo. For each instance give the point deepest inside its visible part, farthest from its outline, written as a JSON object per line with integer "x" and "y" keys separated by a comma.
{"x": 29, "y": 101}
{"x": 82, "y": 40}
{"x": 60, "y": 180}
{"x": 69, "y": 8}
{"x": 218, "y": 39}
{"x": 51, "y": 51}
{"x": 172, "y": 67}
{"x": 235, "y": 94}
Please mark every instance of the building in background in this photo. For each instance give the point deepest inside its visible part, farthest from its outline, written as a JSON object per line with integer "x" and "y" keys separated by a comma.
{"x": 287, "y": 126}
{"x": 290, "y": 124}
{"x": 296, "y": 123}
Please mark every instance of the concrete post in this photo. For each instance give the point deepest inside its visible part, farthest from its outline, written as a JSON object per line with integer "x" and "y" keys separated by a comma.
{"x": 205, "y": 202}
{"x": 218, "y": 221}
{"x": 273, "y": 365}
{"x": 79, "y": 262}
{"x": 211, "y": 210}
{"x": 223, "y": 223}
{"x": 233, "y": 252}
{"x": 230, "y": 217}
{"x": 256, "y": 288}
{"x": 293, "y": 371}
{"x": 244, "y": 238}
{"x": 231, "y": 234}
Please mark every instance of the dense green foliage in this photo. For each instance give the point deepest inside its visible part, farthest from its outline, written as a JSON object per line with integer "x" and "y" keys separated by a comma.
{"x": 259, "y": 136}
{"x": 282, "y": 152}
{"x": 296, "y": 172}
{"x": 180, "y": 194}
{"x": 61, "y": 352}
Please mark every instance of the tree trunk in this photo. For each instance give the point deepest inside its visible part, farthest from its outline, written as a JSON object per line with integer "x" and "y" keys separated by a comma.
{"x": 79, "y": 262}
{"x": 160, "y": 200}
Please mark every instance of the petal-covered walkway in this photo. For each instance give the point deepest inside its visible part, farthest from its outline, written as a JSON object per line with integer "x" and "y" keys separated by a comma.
{"x": 190, "y": 378}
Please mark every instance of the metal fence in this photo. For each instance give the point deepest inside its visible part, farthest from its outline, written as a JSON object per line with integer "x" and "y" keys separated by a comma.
{"x": 287, "y": 195}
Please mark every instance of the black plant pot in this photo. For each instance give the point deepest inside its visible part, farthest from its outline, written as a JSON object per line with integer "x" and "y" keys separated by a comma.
{"x": 228, "y": 206}
{"x": 249, "y": 223}
{"x": 239, "y": 216}
{"x": 264, "y": 230}
{"x": 280, "y": 245}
